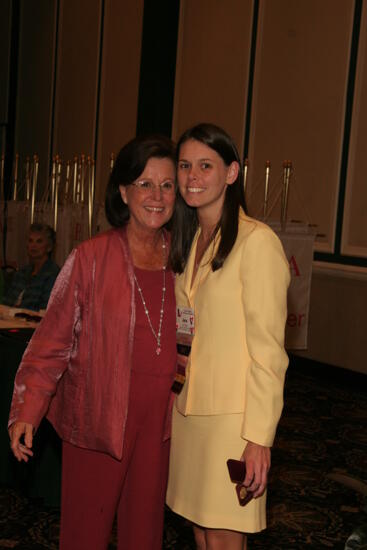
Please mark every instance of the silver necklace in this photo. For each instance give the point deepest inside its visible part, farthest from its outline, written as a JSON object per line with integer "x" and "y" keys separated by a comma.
{"x": 157, "y": 335}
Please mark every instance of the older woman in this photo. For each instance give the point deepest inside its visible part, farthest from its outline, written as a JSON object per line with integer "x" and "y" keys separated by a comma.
{"x": 101, "y": 364}
{"x": 233, "y": 283}
{"x": 31, "y": 286}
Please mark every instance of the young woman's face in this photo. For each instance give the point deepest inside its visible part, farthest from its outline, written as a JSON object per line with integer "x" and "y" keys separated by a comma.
{"x": 151, "y": 197}
{"x": 203, "y": 177}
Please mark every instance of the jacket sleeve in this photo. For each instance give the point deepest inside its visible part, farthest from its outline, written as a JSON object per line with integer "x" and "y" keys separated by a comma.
{"x": 265, "y": 276}
{"x": 47, "y": 355}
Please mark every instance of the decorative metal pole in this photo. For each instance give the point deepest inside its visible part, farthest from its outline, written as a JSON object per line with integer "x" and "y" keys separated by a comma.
{"x": 34, "y": 185}
{"x": 15, "y": 186}
{"x": 266, "y": 191}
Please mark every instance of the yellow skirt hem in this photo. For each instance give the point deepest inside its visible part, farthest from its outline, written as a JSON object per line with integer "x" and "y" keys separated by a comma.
{"x": 216, "y": 522}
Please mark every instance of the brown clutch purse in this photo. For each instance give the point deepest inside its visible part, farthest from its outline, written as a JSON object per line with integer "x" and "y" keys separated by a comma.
{"x": 237, "y": 473}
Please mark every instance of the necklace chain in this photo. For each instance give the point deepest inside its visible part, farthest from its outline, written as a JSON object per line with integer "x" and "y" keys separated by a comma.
{"x": 157, "y": 335}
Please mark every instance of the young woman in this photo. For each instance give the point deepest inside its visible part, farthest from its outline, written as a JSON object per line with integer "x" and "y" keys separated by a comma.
{"x": 233, "y": 281}
{"x": 102, "y": 362}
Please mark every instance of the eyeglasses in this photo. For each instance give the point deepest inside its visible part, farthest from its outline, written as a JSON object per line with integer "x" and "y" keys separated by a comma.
{"x": 147, "y": 187}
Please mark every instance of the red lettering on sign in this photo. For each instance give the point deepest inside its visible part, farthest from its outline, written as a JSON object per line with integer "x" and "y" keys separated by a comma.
{"x": 294, "y": 267}
{"x": 295, "y": 319}
{"x": 300, "y": 318}
{"x": 292, "y": 320}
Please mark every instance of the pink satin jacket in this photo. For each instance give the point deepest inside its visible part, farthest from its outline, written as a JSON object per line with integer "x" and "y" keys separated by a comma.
{"x": 76, "y": 369}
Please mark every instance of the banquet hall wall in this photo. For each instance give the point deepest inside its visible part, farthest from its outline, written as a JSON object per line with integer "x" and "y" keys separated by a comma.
{"x": 287, "y": 79}
{"x": 77, "y": 79}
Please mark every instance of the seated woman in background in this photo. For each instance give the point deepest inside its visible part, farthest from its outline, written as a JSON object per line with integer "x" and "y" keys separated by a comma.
{"x": 31, "y": 285}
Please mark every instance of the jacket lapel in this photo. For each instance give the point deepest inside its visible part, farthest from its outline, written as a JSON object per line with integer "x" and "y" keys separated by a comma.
{"x": 204, "y": 269}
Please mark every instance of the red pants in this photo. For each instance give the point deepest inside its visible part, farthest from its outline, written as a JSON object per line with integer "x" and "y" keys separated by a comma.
{"x": 96, "y": 486}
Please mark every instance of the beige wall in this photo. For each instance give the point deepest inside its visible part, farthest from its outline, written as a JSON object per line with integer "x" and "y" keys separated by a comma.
{"x": 5, "y": 22}
{"x": 35, "y": 83}
{"x": 354, "y": 240}
{"x": 212, "y": 65}
{"x": 86, "y": 120}
{"x": 119, "y": 82}
{"x": 298, "y": 113}
{"x": 77, "y": 78}
{"x": 338, "y": 316}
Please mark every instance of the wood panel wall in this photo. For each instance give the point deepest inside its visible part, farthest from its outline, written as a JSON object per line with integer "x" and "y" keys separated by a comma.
{"x": 78, "y": 50}
{"x": 338, "y": 316}
{"x": 36, "y": 66}
{"x": 78, "y": 81}
{"x": 5, "y": 32}
{"x": 354, "y": 237}
{"x": 213, "y": 65}
{"x": 299, "y": 100}
{"x": 299, "y": 107}
{"x": 119, "y": 82}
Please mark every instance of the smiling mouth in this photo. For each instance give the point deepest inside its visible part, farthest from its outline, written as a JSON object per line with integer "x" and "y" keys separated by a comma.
{"x": 195, "y": 189}
{"x": 154, "y": 209}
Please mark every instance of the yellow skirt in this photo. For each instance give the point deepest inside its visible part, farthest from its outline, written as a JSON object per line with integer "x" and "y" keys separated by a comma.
{"x": 199, "y": 487}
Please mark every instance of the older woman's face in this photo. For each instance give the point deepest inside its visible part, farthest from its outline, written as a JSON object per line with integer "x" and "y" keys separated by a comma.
{"x": 38, "y": 246}
{"x": 151, "y": 197}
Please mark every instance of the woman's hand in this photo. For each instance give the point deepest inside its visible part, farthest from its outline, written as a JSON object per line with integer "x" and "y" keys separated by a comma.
{"x": 257, "y": 459}
{"x": 21, "y": 451}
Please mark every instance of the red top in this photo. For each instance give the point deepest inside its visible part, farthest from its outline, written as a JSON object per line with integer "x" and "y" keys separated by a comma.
{"x": 145, "y": 359}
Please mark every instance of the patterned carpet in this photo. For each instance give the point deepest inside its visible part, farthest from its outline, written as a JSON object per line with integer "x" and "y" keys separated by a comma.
{"x": 322, "y": 431}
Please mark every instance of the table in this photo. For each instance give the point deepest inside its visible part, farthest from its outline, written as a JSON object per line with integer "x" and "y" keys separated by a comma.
{"x": 8, "y": 319}
{"x": 41, "y": 476}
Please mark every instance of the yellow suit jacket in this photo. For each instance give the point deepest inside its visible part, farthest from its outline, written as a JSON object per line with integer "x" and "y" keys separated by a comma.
{"x": 238, "y": 362}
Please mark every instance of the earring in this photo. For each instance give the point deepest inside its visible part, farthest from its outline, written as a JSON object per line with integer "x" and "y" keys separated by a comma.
{"x": 123, "y": 194}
